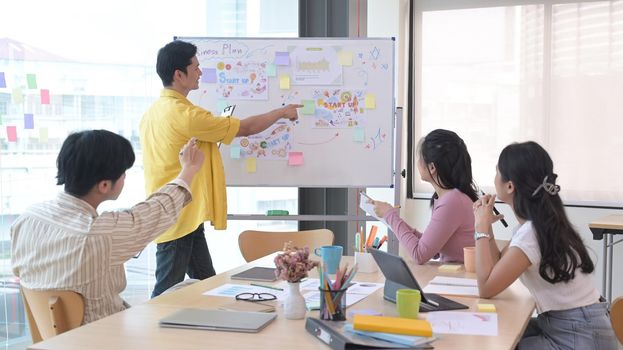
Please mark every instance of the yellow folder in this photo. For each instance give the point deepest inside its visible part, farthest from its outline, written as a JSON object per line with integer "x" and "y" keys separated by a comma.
{"x": 396, "y": 325}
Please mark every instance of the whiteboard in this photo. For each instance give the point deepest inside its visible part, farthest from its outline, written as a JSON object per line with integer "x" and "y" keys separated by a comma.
{"x": 345, "y": 133}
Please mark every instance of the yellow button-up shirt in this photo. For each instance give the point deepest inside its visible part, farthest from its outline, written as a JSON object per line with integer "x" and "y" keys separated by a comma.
{"x": 168, "y": 124}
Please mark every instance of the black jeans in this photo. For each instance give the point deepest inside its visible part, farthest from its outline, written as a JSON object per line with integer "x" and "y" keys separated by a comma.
{"x": 185, "y": 255}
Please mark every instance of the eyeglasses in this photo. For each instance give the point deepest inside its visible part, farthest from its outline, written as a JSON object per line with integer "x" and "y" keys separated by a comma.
{"x": 255, "y": 296}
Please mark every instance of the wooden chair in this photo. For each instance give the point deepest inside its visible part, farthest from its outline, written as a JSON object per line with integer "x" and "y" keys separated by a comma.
{"x": 616, "y": 317}
{"x": 52, "y": 312}
{"x": 256, "y": 244}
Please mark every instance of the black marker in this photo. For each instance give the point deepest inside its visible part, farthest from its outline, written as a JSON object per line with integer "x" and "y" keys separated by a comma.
{"x": 496, "y": 212}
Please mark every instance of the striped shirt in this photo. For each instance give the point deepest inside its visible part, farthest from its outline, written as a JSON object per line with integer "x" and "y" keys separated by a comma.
{"x": 64, "y": 244}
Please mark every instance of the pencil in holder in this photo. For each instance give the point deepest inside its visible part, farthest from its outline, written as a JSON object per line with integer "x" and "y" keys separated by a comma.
{"x": 333, "y": 304}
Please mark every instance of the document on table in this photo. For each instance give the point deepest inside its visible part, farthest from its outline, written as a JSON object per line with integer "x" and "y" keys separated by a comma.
{"x": 368, "y": 207}
{"x": 452, "y": 286}
{"x": 457, "y": 322}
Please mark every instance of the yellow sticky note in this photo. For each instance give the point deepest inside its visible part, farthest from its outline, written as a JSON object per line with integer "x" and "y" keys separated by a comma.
{"x": 371, "y": 101}
{"x": 43, "y": 135}
{"x": 486, "y": 308}
{"x": 284, "y": 82}
{"x": 18, "y": 97}
{"x": 345, "y": 58}
{"x": 450, "y": 268}
{"x": 251, "y": 165}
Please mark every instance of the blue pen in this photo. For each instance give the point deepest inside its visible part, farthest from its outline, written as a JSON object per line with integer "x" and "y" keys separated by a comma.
{"x": 376, "y": 243}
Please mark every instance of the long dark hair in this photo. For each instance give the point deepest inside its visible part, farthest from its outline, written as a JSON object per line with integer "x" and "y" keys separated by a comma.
{"x": 536, "y": 199}
{"x": 448, "y": 152}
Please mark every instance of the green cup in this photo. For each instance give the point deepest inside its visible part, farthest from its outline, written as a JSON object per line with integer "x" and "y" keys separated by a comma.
{"x": 408, "y": 302}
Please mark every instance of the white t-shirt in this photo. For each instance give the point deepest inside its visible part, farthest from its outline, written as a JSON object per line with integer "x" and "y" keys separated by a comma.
{"x": 577, "y": 292}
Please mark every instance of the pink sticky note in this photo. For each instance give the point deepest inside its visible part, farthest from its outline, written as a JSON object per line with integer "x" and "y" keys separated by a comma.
{"x": 11, "y": 133}
{"x": 45, "y": 96}
{"x": 295, "y": 158}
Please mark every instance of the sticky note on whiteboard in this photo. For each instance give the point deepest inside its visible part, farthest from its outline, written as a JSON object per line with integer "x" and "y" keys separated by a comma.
{"x": 345, "y": 58}
{"x": 282, "y": 58}
{"x": 31, "y": 80}
{"x": 208, "y": 75}
{"x": 43, "y": 135}
{"x": 271, "y": 70}
{"x": 251, "y": 165}
{"x": 309, "y": 107}
{"x": 29, "y": 121}
{"x": 284, "y": 82}
{"x": 234, "y": 152}
{"x": 371, "y": 101}
{"x": 359, "y": 134}
{"x": 295, "y": 158}
{"x": 11, "y": 133}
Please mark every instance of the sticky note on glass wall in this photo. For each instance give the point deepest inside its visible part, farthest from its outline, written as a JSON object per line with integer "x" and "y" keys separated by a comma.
{"x": 29, "y": 121}
{"x": 345, "y": 58}
{"x": 43, "y": 135}
{"x": 234, "y": 152}
{"x": 371, "y": 101}
{"x": 208, "y": 75}
{"x": 309, "y": 107}
{"x": 284, "y": 82}
{"x": 282, "y": 58}
{"x": 271, "y": 70}
{"x": 32, "y": 81}
{"x": 251, "y": 165}
{"x": 45, "y": 97}
{"x": 11, "y": 133}
{"x": 359, "y": 134}
{"x": 2, "y": 80}
{"x": 295, "y": 158}
{"x": 17, "y": 95}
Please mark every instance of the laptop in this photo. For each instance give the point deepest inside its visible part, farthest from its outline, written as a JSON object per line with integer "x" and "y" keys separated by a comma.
{"x": 218, "y": 320}
{"x": 266, "y": 274}
{"x": 398, "y": 275}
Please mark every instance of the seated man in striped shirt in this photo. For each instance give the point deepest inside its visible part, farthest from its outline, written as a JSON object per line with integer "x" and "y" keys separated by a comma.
{"x": 64, "y": 244}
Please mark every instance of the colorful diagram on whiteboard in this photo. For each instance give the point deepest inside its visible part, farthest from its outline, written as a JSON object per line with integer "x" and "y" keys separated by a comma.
{"x": 241, "y": 80}
{"x": 272, "y": 143}
{"x": 339, "y": 108}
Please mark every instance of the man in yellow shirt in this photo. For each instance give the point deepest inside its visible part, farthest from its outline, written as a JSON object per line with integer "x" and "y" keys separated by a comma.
{"x": 168, "y": 124}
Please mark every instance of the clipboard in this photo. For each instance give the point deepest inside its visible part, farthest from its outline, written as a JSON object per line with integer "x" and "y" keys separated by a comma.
{"x": 227, "y": 112}
{"x": 332, "y": 334}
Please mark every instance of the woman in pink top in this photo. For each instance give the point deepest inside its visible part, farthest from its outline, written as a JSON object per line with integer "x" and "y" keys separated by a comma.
{"x": 444, "y": 162}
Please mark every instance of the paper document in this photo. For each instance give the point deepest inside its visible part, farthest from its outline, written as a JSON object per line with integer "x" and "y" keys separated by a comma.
{"x": 472, "y": 323}
{"x": 452, "y": 286}
{"x": 368, "y": 207}
{"x": 454, "y": 281}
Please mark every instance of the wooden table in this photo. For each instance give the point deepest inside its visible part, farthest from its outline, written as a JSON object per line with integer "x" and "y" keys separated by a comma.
{"x": 137, "y": 327}
{"x": 607, "y": 226}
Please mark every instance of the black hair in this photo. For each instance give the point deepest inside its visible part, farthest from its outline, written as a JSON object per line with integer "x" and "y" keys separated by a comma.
{"x": 88, "y": 157}
{"x": 562, "y": 250}
{"x": 447, "y": 151}
{"x": 176, "y": 55}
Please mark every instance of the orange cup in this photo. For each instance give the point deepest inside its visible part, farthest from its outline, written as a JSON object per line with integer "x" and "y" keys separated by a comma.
{"x": 469, "y": 259}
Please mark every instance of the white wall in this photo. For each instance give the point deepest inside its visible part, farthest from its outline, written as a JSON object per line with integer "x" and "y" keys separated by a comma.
{"x": 417, "y": 214}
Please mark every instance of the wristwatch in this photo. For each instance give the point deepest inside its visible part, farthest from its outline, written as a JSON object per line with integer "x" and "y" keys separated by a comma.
{"x": 479, "y": 235}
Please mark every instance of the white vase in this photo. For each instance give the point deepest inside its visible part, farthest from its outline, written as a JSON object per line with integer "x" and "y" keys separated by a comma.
{"x": 294, "y": 306}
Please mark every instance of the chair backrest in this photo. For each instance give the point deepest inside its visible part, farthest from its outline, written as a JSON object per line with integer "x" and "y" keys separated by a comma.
{"x": 616, "y": 317}
{"x": 52, "y": 312}
{"x": 256, "y": 244}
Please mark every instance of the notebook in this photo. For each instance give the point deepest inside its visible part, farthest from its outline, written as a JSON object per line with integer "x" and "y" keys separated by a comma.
{"x": 218, "y": 320}
{"x": 266, "y": 274}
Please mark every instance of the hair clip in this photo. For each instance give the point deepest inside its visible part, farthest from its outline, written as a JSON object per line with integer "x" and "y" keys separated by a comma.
{"x": 550, "y": 188}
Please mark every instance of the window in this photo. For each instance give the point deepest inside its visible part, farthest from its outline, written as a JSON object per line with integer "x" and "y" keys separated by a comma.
{"x": 98, "y": 82}
{"x": 544, "y": 72}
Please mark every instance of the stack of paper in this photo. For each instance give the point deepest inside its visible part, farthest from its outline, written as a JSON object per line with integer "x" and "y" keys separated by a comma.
{"x": 408, "y": 340}
{"x": 452, "y": 286}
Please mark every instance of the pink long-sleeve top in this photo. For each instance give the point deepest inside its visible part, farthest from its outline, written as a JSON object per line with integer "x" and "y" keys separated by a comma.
{"x": 451, "y": 228}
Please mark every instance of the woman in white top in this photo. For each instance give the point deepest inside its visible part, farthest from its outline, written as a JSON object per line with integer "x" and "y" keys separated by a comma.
{"x": 545, "y": 252}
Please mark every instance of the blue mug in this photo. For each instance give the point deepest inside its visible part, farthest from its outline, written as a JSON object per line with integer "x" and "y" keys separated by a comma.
{"x": 331, "y": 256}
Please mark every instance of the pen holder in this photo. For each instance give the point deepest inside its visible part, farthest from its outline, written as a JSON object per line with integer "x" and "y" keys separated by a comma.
{"x": 333, "y": 304}
{"x": 365, "y": 262}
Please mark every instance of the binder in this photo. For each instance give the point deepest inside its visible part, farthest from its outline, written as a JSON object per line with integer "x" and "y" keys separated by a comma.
{"x": 332, "y": 334}
{"x": 396, "y": 325}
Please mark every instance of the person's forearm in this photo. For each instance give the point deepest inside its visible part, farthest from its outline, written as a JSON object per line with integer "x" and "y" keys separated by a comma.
{"x": 495, "y": 251}
{"x": 484, "y": 259}
{"x": 258, "y": 123}
{"x": 187, "y": 176}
